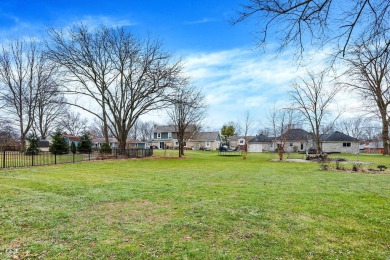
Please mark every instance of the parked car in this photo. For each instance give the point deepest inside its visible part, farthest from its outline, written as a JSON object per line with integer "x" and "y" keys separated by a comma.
{"x": 188, "y": 148}
{"x": 153, "y": 147}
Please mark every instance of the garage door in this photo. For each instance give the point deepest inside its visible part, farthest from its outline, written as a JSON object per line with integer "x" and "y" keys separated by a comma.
{"x": 255, "y": 148}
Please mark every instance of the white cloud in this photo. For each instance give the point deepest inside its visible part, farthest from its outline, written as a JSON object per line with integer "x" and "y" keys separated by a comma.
{"x": 92, "y": 22}
{"x": 235, "y": 81}
{"x": 204, "y": 20}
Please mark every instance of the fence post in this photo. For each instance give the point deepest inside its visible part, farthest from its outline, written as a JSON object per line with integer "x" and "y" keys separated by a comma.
{"x": 116, "y": 153}
{"x": 89, "y": 155}
{"x": 32, "y": 158}
{"x": 73, "y": 157}
{"x": 4, "y": 158}
{"x": 55, "y": 157}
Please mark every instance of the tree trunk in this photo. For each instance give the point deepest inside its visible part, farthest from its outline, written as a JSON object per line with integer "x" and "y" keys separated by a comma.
{"x": 385, "y": 135}
{"x": 122, "y": 145}
{"x": 318, "y": 144}
{"x": 22, "y": 142}
{"x": 281, "y": 152}
{"x": 105, "y": 127}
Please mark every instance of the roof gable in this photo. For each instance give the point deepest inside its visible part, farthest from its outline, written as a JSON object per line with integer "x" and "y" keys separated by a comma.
{"x": 171, "y": 128}
{"x": 260, "y": 139}
{"x": 338, "y": 137}
{"x": 206, "y": 136}
{"x": 295, "y": 135}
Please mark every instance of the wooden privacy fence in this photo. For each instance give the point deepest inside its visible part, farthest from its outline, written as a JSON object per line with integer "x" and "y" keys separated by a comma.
{"x": 9, "y": 159}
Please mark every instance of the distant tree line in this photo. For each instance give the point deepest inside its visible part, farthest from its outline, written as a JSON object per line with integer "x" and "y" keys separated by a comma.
{"x": 109, "y": 73}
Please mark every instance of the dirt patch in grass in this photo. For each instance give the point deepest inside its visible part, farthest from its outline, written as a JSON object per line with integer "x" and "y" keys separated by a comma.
{"x": 127, "y": 212}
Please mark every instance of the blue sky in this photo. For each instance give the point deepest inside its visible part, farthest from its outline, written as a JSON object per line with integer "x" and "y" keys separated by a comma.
{"x": 221, "y": 59}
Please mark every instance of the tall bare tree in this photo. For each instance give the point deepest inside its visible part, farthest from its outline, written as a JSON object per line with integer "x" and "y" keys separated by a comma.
{"x": 354, "y": 127}
{"x": 125, "y": 77}
{"x": 188, "y": 110}
{"x": 50, "y": 102}
{"x": 85, "y": 59}
{"x": 95, "y": 128}
{"x": 73, "y": 123}
{"x": 369, "y": 69}
{"x": 247, "y": 124}
{"x": 8, "y": 135}
{"x": 23, "y": 71}
{"x": 142, "y": 130}
{"x": 280, "y": 121}
{"x": 313, "y": 97}
{"x": 304, "y": 23}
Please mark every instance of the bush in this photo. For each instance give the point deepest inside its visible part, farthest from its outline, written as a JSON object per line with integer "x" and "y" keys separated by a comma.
{"x": 339, "y": 166}
{"x": 33, "y": 147}
{"x": 382, "y": 167}
{"x": 105, "y": 148}
{"x": 73, "y": 147}
{"x": 85, "y": 144}
{"x": 324, "y": 166}
{"x": 356, "y": 167}
{"x": 59, "y": 144}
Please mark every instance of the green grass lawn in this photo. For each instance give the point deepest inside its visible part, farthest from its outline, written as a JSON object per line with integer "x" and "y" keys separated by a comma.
{"x": 202, "y": 207}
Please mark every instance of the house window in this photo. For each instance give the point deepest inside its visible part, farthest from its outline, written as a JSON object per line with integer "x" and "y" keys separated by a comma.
{"x": 207, "y": 143}
{"x": 301, "y": 146}
{"x": 169, "y": 135}
{"x": 177, "y": 143}
{"x": 291, "y": 144}
{"x": 346, "y": 144}
{"x": 158, "y": 135}
{"x": 241, "y": 141}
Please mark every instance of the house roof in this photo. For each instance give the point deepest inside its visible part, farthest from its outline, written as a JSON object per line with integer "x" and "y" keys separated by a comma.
{"x": 295, "y": 135}
{"x": 205, "y": 136}
{"x": 236, "y": 138}
{"x": 71, "y": 137}
{"x": 260, "y": 139}
{"x": 376, "y": 144}
{"x": 164, "y": 128}
{"x": 102, "y": 140}
{"x": 171, "y": 128}
{"x": 114, "y": 140}
{"x": 337, "y": 137}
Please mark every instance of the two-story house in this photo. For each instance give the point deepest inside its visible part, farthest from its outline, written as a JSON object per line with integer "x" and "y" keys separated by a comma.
{"x": 205, "y": 141}
{"x": 165, "y": 136}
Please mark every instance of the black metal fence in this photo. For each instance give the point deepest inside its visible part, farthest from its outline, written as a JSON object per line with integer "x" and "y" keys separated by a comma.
{"x": 9, "y": 159}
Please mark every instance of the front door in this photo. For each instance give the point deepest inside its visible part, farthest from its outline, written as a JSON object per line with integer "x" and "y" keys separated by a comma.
{"x": 162, "y": 145}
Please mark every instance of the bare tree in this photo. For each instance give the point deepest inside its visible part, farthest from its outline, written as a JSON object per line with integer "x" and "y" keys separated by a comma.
{"x": 124, "y": 76}
{"x": 246, "y": 124}
{"x": 369, "y": 69}
{"x": 354, "y": 127}
{"x": 305, "y": 23}
{"x": 142, "y": 130}
{"x": 50, "y": 102}
{"x": 372, "y": 131}
{"x": 8, "y": 135}
{"x": 73, "y": 123}
{"x": 280, "y": 121}
{"x": 312, "y": 97}
{"x": 96, "y": 128}
{"x": 23, "y": 71}
{"x": 188, "y": 110}
{"x": 85, "y": 60}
